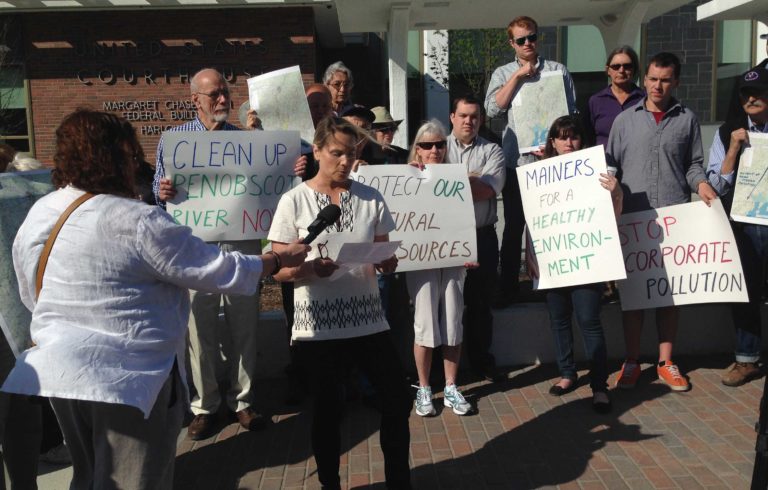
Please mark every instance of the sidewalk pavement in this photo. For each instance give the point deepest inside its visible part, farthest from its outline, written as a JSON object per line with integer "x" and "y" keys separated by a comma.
{"x": 521, "y": 438}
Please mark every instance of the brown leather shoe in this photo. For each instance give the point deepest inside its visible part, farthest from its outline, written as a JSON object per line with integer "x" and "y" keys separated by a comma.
{"x": 250, "y": 419}
{"x": 740, "y": 373}
{"x": 201, "y": 427}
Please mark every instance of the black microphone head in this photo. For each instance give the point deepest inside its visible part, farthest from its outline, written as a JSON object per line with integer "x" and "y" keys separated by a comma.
{"x": 329, "y": 214}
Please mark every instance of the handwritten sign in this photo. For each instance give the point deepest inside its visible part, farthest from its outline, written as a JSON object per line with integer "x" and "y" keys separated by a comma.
{"x": 750, "y": 195}
{"x": 570, "y": 219}
{"x": 680, "y": 255}
{"x": 433, "y": 212}
{"x": 228, "y": 183}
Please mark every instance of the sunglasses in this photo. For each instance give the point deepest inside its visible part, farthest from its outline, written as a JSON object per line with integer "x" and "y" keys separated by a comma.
{"x": 617, "y": 66}
{"x": 387, "y": 129}
{"x": 427, "y": 145}
{"x": 531, "y": 38}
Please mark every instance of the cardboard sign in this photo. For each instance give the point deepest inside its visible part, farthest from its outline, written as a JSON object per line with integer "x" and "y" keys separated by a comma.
{"x": 433, "y": 212}
{"x": 680, "y": 255}
{"x": 228, "y": 183}
{"x": 570, "y": 219}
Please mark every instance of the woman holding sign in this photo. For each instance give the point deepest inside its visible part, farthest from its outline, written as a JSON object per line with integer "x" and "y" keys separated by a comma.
{"x": 338, "y": 318}
{"x": 565, "y": 136}
{"x": 438, "y": 299}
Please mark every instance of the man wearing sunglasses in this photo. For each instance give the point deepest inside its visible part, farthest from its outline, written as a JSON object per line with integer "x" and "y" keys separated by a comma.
{"x": 504, "y": 85}
{"x": 211, "y": 97}
{"x": 484, "y": 161}
{"x": 751, "y": 239}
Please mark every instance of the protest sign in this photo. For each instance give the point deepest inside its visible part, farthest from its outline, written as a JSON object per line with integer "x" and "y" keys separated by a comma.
{"x": 680, "y": 255}
{"x": 570, "y": 219}
{"x": 278, "y": 97}
{"x": 18, "y": 192}
{"x": 433, "y": 212}
{"x": 228, "y": 183}
{"x": 535, "y": 107}
{"x": 750, "y": 195}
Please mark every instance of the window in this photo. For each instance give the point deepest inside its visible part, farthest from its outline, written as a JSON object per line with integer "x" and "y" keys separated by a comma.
{"x": 733, "y": 57}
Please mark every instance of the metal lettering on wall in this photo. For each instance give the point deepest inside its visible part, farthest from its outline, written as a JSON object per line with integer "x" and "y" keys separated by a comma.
{"x": 153, "y": 111}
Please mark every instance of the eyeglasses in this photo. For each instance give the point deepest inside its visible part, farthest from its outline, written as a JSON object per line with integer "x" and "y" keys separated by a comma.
{"x": 338, "y": 85}
{"x": 216, "y": 93}
{"x": 617, "y": 66}
{"x": 322, "y": 249}
{"x": 387, "y": 129}
{"x": 531, "y": 38}
{"x": 427, "y": 145}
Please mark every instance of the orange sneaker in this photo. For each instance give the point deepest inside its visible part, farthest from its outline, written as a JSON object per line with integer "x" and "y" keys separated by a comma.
{"x": 629, "y": 374}
{"x": 670, "y": 374}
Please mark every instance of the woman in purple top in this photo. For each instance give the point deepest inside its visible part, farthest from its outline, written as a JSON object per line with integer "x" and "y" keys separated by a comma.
{"x": 622, "y": 66}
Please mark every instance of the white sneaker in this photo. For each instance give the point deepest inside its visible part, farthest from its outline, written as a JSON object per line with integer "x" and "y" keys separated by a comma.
{"x": 57, "y": 455}
{"x": 455, "y": 400}
{"x": 423, "y": 404}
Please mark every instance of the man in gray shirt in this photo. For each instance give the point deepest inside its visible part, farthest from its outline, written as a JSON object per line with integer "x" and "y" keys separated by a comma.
{"x": 506, "y": 81}
{"x": 485, "y": 164}
{"x": 656, "y": 146}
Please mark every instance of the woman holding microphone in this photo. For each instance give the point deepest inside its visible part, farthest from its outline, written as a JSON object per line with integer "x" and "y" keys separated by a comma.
{"x": 338, "y": 318}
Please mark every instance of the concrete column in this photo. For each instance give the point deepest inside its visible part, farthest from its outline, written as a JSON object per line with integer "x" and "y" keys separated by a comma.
{"x": 623, "y": 28}
{"x": 397, "y": 43}
{"x": 437, "y": 100}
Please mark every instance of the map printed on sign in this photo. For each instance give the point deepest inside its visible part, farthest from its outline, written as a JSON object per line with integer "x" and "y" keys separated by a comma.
{"x": 535, "y": 107}
{"x": 750, "y": 195}
{"x": 278, "y": 97}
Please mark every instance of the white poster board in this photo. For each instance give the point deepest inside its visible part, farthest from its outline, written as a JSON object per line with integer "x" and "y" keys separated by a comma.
{"x": 433, "y": 212}
{"x": 228, "y": 183}
{"x": 750, "y": 194}
{"x": 570, "y": 219}
{"x": 278, "y": 97}
{"x": 535, "y": 107}
{"x": 680, "y": 255}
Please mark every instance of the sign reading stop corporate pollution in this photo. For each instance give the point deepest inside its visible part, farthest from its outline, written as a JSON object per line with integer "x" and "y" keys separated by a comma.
{"x": 570, "y": 219}
{"x": 228, "y": 183}
{"x": 433, "y": 212}
{"x": 673, "y": 259}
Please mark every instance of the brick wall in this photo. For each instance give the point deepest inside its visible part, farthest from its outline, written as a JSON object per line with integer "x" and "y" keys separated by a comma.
{"x": 102, "y": 59}
{"x": 679, "y": 32}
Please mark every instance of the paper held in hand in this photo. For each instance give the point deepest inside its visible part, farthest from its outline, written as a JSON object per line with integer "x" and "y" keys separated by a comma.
{"x": 750, "y": 194}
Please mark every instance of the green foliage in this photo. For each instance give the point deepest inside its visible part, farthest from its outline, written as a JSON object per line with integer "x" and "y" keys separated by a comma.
{"x": 474, "y": 54}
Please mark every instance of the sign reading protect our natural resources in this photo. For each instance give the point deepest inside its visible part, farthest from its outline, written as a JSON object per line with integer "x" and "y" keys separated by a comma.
{"x": 228, "y": 183}
{"x": 570, "y": 219}
{"x": 433, "y": 212}
{"x": 673, "y": 259}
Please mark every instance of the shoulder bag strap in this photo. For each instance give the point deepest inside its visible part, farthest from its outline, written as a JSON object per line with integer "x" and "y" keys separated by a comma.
{"x": 52, "y": 238}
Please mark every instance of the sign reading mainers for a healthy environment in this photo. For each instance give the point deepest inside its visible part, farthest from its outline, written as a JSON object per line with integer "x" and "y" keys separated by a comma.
{"x": 433, "y": 212}
{"x": 571, "y": 220}
{"x": 680, "y": 255}
{"x": 228, "y": 183}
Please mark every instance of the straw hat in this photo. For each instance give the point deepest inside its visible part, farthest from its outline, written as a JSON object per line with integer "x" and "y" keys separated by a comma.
{"x": 384, "y": 118}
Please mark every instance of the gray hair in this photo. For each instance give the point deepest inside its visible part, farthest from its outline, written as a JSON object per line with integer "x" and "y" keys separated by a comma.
{"x": 333, "y": 68}
{"x": 433, "y": 127}
{"x": 23, "y": 163}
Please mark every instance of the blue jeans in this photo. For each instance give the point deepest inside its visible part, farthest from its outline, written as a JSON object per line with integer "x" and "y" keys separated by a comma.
{"x": 752, "y": 242}
{"x": 585, "y": 301}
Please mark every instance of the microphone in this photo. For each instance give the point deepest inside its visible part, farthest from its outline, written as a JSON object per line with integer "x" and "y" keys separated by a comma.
{"x": 325, "y": 218}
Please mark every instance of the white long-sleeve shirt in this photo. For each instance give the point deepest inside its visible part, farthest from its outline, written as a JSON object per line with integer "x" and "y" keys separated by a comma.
{"x": 112, "y": 314}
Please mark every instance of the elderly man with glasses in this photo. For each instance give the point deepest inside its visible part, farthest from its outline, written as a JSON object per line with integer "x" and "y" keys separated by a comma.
{"x": 505, "y": 83}
{"x": 211, "y": 97}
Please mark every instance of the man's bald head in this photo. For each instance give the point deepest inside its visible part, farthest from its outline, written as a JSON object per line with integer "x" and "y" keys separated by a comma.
{"x": 210, "y": 95}
{"x": 319, "y": 99}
